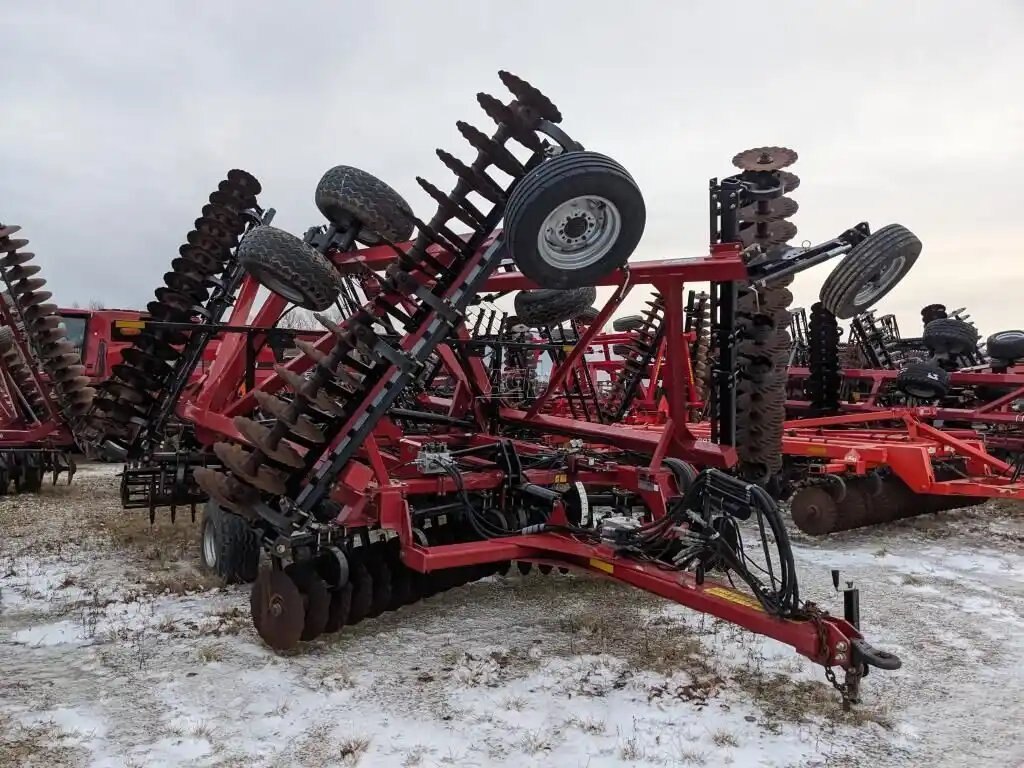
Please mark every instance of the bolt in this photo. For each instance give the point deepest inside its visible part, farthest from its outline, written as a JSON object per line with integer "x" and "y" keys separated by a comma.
{"x": 279, "y": 549}
{"x": 841, "y": 645}
{"x": 840, "y": 658}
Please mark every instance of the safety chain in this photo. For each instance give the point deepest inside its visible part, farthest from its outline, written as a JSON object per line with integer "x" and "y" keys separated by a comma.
{"x": 846, "y": 690}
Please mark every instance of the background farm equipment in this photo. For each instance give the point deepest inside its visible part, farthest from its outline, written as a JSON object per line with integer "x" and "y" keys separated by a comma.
{"x": 905, "y": 426}
{"x": 43, "y": 387}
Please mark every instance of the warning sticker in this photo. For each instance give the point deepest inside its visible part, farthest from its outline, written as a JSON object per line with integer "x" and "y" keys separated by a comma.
{"x": 735, "y": 597}
{"x": 601, "y": 565}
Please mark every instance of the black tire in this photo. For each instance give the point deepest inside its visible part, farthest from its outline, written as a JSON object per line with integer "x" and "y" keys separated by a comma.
{"x": 287, "y": 266}
{"x": 684, "y": 473}
{"x": 923, "y": 381}
{"x": 347, "y": 195}
{"x": 588, "y": 315}
{"x": 622, "y": 350}
{"x": 627, "y": 323}
{"x": 950, "y": 336}
{"x": 547, "y": 306}
{"x": 1006, "y": 345}
{"x": 933, "y": 312}
{"x": 869, "y": 271}
{"x": 556, "y": 182}
{"x": 31, "y": 479}
{"x": 228, "y": 546}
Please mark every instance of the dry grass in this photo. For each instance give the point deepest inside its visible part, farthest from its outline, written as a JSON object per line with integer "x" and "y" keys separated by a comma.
{"x": 28, "y": 746}
{"x": 784, "y": 699}
{"x": 351, "y": 751}
{"x": 209, "y": 653}
{"x": 723, "y": 739}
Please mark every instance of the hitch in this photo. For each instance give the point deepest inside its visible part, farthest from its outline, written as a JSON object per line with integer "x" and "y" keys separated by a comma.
{"x": 862, "y": 654}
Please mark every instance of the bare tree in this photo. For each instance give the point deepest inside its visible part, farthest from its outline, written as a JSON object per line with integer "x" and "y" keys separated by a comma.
{"x": 96, "y": 304}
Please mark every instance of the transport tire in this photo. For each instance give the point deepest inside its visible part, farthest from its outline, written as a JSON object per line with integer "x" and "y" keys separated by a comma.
{"x": 284, "y": 264}
{"x": 548, "y": 306}
{"x": 346, "y": 196}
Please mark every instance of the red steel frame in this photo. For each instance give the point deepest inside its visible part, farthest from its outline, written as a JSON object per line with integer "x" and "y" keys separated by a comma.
{"x": 369, "y": 483}
{"x": 50, "y": 431}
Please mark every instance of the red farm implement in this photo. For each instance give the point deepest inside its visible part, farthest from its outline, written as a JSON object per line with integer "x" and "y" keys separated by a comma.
{"x": 387, "y": 462}
{"x": 929, "y": 423}
{"x": 43, "y": 387}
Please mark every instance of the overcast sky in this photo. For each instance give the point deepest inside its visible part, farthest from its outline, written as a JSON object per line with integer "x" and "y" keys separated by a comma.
{"x": 117, "y": 118}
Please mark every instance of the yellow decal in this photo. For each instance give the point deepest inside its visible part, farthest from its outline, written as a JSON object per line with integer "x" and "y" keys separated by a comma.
{"x": 130, "y": 323}
{"x": 561, "y": 479}
{"x": 601, "y": 565}
{"x": 817, "y": 450}
{"x": 735, "y": 597}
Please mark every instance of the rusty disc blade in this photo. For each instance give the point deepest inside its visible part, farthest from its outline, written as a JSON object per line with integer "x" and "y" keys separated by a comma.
{"x": 774, "y": 233}
{"x": 790, "y": 181}
{"x": 278, "y": 610}
{"x": 769, "y": 210}
{"x": 765, "y": 159}
{"x": 814, "y": 511}
{"x": 317, "y": 598}
{"x": 341, "y": 603}
{"x": 245, "y": 181}
{"x": 133, "y": 375}
{"x": 259, "y": 436}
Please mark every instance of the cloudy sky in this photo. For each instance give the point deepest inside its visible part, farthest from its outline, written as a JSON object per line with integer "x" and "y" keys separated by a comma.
{"x": 117, "y": 118}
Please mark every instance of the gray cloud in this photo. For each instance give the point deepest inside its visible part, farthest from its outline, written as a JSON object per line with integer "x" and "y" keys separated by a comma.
{"x": 118, "y": 117}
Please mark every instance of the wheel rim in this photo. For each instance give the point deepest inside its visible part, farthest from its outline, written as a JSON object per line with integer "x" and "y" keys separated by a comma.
{"x": 579, "y": 232}
{"x": 880, "y": 282}
{"x": 1008, "y": 336}
{"x": 209, "y": 546}
{"x": 274, "y": 285}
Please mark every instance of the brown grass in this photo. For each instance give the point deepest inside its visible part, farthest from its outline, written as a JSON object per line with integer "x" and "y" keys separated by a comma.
{"x": 34, "y": 745}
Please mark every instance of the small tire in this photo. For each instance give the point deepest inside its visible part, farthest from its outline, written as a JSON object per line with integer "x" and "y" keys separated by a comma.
{"x": 622, "y": 350}
{"x": 285, "y": 265}
{"x": 548, "y": 306}
{"x": 923, "y": 381}
{"x": 627, "y": 323}
{"x": 948, "y": 335}
{"x": 228, "y": 546}
{"x": 588, "y": 316}
{"x": 869, "y": 271}
{"x": 573, "y": 219}
{"x": 1006, "y": 345}
{"x": 346, "y": 196}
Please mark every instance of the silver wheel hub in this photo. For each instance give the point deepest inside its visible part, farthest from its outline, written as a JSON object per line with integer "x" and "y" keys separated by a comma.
{"x": 879, "y": 282}
{"x": 579, "y": 232}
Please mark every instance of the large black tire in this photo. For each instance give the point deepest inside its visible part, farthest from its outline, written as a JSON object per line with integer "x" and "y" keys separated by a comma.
{"x": 1006, "y": 345}
{"x": 627, "y": 323}
{"x": 228, "y": 546}
{"x": 869, "y": 271}
{"x": 582, "y": 242}
{"x": 924, "y": 381}
{"x": 287, "y": 266}
{"x": 546, "y": 306}
{"x": 947, "y": 335}
{"x": 346, "y": 196}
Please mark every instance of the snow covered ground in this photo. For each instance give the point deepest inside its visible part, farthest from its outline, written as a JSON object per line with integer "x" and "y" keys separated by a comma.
{"x": 114, "y": 651}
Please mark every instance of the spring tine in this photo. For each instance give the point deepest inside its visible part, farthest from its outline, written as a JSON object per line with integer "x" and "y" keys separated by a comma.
{"x": 497, "y": 153}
